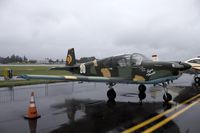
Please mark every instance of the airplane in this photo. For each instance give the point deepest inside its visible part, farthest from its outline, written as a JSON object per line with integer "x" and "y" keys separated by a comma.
{"x": 195, "y": 69}
{"x": 125, "y": 69}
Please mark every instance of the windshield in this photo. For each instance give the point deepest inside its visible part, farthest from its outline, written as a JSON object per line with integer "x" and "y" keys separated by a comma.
{"x": 136, "y": 59}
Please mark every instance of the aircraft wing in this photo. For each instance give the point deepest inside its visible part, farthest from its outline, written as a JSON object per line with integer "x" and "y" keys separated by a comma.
{"x": 76, "y": 78}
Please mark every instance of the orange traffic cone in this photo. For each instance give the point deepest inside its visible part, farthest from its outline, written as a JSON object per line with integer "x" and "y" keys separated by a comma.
{"x": 32, "y": 111}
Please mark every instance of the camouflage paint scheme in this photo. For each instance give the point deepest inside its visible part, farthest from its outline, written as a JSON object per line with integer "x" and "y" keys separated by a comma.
{"x": 129, "y": 68}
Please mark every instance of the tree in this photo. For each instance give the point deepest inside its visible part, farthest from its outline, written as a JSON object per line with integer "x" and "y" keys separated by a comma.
{"x": 51, "y": 61}
{"x": 33, "y": 61}
{"x": 25, "y": 59}
{"x": 13, "y": 59}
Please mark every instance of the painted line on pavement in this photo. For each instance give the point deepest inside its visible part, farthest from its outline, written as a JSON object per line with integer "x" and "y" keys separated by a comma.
{"x": 144, "y": 123}
{"x": 168, "y": 119}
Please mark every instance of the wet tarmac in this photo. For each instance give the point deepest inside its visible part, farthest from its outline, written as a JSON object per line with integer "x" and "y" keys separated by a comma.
{"x": 74, "y": 108}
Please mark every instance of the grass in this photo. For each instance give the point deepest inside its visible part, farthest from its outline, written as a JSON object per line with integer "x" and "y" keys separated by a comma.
{"x": 35, "y": 70}
{"x": 10, "y": 83}
{"x": 38, "y": 70}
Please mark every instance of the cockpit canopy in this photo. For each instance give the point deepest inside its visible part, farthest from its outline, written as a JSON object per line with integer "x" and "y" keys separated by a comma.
{"x": 125, "y": 60}
{"x": 134, "y": 59}
{"x": 131, "y": 59}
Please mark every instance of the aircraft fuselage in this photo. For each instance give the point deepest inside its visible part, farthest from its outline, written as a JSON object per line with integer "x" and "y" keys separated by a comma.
{"x": 133, "y": 71}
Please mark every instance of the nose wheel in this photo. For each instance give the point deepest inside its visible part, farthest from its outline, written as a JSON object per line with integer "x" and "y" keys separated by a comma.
{"x": 167, "y": 96}
{"x": 111, "y": 94}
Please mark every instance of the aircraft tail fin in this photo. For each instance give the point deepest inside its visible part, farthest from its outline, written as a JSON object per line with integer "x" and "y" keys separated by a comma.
{"x": 70, "y": 59}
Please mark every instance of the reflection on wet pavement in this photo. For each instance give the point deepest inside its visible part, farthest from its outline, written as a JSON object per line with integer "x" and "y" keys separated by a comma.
{"x": 73, "y": 107}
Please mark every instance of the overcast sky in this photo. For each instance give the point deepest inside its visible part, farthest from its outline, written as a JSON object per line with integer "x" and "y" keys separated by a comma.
{"x": 47, "y": 28}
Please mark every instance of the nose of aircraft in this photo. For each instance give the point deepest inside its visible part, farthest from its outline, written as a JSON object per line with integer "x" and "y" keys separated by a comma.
{"x": 186, "y": 66}
{"x": 181, "y": 66}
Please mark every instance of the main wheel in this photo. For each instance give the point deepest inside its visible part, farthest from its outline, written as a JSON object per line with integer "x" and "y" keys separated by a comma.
{"x": 142, "y": 88}
{"x": 197, "y": 79}
{"x": 111, "y": 94}
{"x": 167, "y": 97}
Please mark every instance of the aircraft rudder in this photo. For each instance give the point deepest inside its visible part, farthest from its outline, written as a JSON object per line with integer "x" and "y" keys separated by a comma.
{"x": 70, "y": 59}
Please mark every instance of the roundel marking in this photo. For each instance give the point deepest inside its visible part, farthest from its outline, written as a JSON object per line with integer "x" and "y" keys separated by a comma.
{"x": 69, "y": 59}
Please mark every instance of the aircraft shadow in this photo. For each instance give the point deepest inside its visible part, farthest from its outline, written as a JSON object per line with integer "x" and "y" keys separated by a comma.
{"x": 102, "y": 116}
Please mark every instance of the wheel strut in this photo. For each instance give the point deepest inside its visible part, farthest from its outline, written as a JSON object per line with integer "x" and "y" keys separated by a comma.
{"x": 142, "y": 94}
{"x": 167, "y": 96}
{"x": 111, "y": 94}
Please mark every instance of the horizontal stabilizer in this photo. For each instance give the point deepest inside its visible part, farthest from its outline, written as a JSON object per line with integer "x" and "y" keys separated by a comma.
{"x": 67, "y": 68}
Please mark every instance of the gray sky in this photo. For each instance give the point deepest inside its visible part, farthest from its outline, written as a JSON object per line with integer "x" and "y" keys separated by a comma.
{"x": 47, "y": 28}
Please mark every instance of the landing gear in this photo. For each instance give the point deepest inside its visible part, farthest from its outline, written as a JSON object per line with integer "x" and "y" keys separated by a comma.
{"x": 111, "y": 94}
{"x": 142, "y": 94}
{"x": 167, "y": 96}
{"x": 142, "y": 88}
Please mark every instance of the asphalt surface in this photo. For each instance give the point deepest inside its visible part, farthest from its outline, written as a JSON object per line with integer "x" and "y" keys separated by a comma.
{"x": 75, "y": 107}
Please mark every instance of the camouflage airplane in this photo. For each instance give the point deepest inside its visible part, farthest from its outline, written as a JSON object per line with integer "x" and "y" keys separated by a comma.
{"x": 127, "y": 69}
{"x": 195, "y": 69}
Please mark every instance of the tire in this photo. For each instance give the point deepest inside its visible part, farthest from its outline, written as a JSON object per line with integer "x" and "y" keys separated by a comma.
{"x": 111, "y": 94}
{"x": 142, "y": 88}
{"x": 167, "y": 97}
